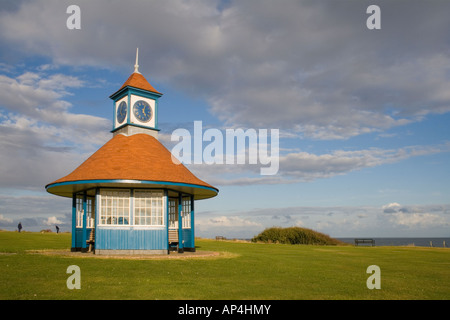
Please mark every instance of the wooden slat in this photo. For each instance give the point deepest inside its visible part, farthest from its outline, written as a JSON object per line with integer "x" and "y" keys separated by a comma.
{"x": 173, "y": 236}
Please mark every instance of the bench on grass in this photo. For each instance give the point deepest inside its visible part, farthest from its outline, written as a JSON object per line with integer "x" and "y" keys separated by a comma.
{"x": 371, "y": 241}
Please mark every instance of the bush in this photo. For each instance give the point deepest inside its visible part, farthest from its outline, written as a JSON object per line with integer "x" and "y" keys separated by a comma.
{"x": 294, "y": 235}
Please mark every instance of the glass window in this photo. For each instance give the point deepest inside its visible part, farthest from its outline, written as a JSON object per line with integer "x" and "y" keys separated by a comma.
{"x": 173, "y": 213}
{"x": 90, "y": 208}
{"x": 80, "y": 211}
{"x": 115, "y": 207}
{"x": 186, "y": 213}
{"x": 148, "y": 207}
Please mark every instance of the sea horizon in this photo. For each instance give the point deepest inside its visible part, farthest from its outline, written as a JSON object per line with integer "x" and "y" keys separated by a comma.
{"x": 403, "y": 241}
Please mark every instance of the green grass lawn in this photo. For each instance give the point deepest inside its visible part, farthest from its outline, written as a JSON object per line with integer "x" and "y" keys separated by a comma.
{"x": 251, "y": 271}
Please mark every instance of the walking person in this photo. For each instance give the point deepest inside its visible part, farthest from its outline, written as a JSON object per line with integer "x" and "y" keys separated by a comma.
{"x": 57, "y": 229}
{"x": 19, "y": 226}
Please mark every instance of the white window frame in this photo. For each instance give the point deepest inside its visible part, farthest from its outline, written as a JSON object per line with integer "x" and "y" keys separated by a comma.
{"x": 80, "y": 211}
{"x": 90, "y": 208}
{"x": 114, "y": 204}
{"x": 186, "y": 212}
{"x": 173, "y": 213}
{"x": 149, "y": 208}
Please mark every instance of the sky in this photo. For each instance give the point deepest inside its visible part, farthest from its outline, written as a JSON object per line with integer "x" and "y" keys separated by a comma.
{"x": 362, "y": 113}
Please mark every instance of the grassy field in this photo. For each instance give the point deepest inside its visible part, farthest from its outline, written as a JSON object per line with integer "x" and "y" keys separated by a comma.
{"x": 243, "y": 271}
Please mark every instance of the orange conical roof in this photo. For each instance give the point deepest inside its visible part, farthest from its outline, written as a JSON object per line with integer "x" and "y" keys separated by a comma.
{"x": 131, "y": 161}
{"x": 137, "y": 80}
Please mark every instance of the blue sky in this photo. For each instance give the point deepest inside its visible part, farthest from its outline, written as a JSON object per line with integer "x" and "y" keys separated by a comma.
{"x": 363, "y": 114}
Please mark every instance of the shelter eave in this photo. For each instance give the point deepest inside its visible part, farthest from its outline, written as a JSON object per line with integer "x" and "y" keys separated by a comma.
{"x": 68, "y": 188}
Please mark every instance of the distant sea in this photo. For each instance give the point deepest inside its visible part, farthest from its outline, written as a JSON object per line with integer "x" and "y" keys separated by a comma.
{"x": 418, "y": 242}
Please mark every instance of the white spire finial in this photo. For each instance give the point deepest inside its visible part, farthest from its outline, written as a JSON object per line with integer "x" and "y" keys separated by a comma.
{"x": 136, "y": 66}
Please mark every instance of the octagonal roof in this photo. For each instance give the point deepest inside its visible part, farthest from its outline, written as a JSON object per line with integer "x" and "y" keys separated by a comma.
{"x": 136, "y": 161}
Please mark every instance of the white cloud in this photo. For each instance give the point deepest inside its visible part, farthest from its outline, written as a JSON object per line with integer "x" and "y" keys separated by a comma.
{"x": 35, "y": 210}
{"x": 52, "y": 221}
{"x": 226, "y": 221}
{"x": 315, "y": 61}
{"x": 228, "y": 226}
{"x": 41, "y": 138}
{"x": 5, "y": 220}
{"x": 337, "y": 221}
{"x": 329, "y": 84}
{"x": 418, "y": 220}
{"x": 391, "y": 207}
{"x": 39, "y": 96}
{"x": 38, "y": 204}
{"x": 417, "y": 217}
{"x": 303, "y": 166}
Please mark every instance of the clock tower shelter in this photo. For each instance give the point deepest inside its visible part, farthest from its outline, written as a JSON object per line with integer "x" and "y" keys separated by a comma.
{"x": 130, "y": 197}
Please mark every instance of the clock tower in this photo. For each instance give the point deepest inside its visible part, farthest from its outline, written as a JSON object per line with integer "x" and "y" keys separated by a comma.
{"x": 135, "y": 106}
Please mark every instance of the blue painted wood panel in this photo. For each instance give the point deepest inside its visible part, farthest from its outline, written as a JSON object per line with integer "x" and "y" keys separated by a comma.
{"x": 79, "y": 236}
{"x": 131, "y": 239}
{"x": 187, "y": 238}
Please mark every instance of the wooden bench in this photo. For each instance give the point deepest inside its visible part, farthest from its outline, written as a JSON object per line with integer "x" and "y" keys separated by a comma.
{"x": 173, "y": 237}
{"x": 371, "y": 241}
{"x": 220, "y": 238}
{"x": 91, "y": 240}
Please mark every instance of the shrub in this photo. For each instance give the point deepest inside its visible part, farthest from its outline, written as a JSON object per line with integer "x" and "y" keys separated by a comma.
{"x": 294, "y": 235}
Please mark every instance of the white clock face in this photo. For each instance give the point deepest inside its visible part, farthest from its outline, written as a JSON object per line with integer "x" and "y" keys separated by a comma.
{"x": 121, "y": 112}
{"x": 142, "y": 111}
